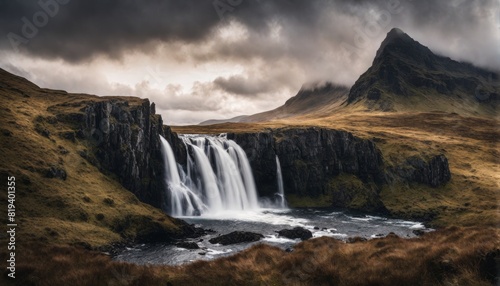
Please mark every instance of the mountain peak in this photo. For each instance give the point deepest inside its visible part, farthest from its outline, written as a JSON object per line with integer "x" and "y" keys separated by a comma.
{"x": 403, "y": 69}
{"x": 398, "y": 41}
{"x": 396, "y": 33}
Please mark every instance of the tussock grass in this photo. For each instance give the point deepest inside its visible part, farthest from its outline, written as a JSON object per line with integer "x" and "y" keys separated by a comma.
{"x": 453, "y": 256}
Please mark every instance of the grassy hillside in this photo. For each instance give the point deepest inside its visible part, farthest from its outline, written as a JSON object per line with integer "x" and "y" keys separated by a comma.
{"x": 82, "y": 207}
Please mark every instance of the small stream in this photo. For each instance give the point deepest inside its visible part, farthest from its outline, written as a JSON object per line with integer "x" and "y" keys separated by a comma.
{"x": 321, "y": 222}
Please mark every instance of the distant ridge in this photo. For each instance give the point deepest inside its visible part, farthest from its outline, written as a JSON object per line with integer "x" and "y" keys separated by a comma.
{"x": 219, "y": 121}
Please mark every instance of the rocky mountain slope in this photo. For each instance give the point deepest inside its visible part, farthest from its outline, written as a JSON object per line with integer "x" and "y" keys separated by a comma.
{"x": 405, "y": 75}
{"x": 318, "y": 99}
{"x": 230, "y": 120}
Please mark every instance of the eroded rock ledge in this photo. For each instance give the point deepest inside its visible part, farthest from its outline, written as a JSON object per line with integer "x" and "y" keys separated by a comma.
{"x": 331, "y": 166}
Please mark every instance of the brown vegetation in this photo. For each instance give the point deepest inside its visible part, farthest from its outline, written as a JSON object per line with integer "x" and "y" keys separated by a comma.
{"x": 454, "y": 256}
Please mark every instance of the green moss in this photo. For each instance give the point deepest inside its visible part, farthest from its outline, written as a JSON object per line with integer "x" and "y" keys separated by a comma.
{"x": 350, "y": 192}
{"x": 348, "y": 181}
{"x": 300, "y": 165}
{"x": 321, "y": 201}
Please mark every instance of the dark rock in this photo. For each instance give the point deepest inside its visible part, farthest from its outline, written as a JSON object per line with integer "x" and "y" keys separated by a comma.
{"x": 192, "y": 231}
{"x": 490, "y": 266}
{"x": 56, "y": 172}
{"x": 83, "y": 154}
{"x": 289, "y": 249}
{"x": 434, "y": 172}
{"x": 296, "y": 232}
{"x": 6, "y": 132}
{"x": 125, "y": 141}
{"x": 392, "y": 235}
{"x": 68, "y": 135}
{"x": 236, "y": 237}
{"x": 317, "y": 161}
{"x": 374, "y": 94}
{"x": 316, "y": 228}
{"x": 309, "y": 158}
{"x": 202, "y": 253}
{"x": 187, "y": 245}
{"x": 109, "y": 202}
{"x": 62, "y": 150}
{"x": 42, "y": 130}
{"x": 418, "y": 232}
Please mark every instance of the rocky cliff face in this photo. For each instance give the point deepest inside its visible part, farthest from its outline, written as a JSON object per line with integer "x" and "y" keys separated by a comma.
{"x": 434, "y": 172}
{"x": 125, "y": 142}
{"x": 320, "y": 162}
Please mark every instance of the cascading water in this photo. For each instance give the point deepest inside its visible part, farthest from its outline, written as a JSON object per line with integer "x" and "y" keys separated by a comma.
{"x": 218, "y": 177}
{"x": 182, "y": 199}
{"x": 281, "y": 189}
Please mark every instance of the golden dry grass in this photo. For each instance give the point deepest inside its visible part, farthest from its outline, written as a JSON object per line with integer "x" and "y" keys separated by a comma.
{"x": 454, "y": 256}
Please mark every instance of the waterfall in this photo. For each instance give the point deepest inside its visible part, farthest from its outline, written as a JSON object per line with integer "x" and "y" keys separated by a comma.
{"x": 182, "y": 199}
{"x": 281, "y": 189}
{"x": 218, "y": 177}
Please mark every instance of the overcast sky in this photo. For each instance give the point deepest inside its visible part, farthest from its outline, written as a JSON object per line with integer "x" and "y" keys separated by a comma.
{"x": 212, "y": 59}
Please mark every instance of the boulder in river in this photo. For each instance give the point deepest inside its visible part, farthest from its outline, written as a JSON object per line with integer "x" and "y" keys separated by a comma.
{"x": 297, "y": 232}
{"x": 187, "y": 245}
{"x": 236, "y": 237}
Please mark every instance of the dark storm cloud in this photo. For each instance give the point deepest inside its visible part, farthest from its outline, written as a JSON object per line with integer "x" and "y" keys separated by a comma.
{"x": 76, "y": 29}
{"x": 244, "y": 86}
{"x": 79, "y": 29}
